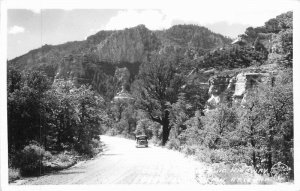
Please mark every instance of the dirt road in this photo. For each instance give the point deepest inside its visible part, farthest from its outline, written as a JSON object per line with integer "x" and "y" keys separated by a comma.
{"x": 123, "y": 163}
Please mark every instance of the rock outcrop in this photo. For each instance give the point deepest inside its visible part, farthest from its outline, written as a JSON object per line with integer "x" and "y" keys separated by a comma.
{"x": 129, "y": 45}
{"x": 70, "y": 67}
{"x": 218, "y": 87}
{"x": 123, "y": 95}
{"x": 233, "y": 87}
{"x": 122, "y": 75}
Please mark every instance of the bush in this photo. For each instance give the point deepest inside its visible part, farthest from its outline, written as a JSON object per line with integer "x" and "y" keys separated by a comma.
{"x": 173, "y": 144}
{"x": 31, "y": 158}
{"x": 205, "y": 154}
{"x": 13, "y": 174}
{"x": 221, "y": 173}
{"x": 190, "y": 149}
{"x": 47, "y": 156}
{"x": 64, "y": 158}
{"x": 96, "y": 146}
{"x": 280, "y": 172}
{"x": 156, "y": 141}
{"x": 220, "y": 155}
{"x": 89, "y": 149}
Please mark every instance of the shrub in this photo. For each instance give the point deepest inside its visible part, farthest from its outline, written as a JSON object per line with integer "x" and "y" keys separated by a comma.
{"x": 13, "y": 174}
{"x": 190, "y": 149}
{"x": 173, "y": 144}
{"x": 31, "y": 159}
{"x": 203, "y": 154}
{"x": 90, "y": 149}
{"x": 96, "y": 146}
{"x": 156, "y": 141}
{"x": 221, "y": 173}
{"x": 63, "y": 157}
{"x": 280, "y": 172}
{"x": 47, "y": 156}
{"x": 220, "y": 155}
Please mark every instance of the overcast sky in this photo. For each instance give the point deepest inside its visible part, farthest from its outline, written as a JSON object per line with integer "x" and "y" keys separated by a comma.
{"x": 30, "y": 28}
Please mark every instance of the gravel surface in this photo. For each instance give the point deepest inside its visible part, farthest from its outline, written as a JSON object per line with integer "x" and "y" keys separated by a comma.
{"x": 123, "y": 163}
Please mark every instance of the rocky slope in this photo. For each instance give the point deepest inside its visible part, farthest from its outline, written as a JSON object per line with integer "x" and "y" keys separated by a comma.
{"x": 95, "y": 59}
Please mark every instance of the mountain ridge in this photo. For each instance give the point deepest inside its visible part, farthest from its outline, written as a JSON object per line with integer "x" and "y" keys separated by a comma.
{"x": 102, "y": 53}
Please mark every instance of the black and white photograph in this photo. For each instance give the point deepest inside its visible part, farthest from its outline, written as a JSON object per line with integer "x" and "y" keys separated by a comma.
{"x": 194, "y": 93}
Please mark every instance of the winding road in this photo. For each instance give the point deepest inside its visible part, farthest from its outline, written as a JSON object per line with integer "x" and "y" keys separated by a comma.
{"x": 123, "y": 163}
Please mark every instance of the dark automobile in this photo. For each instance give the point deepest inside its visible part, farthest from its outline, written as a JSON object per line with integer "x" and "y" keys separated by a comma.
{"x": 141, "y": 141}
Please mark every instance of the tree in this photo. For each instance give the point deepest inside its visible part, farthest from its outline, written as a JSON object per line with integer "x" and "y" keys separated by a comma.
{"x": 219, "y": 126}
{"x": 249, "y": 129}
{"x": 286, "y": 39}
{"x": 267, "y": 122}
{"x": 179, "y": 113}
{"x": 159, "y": 84}
{"x": 14, "y": 80}
{"x": 26, "y": 113}
{"x": 88, "y": 109}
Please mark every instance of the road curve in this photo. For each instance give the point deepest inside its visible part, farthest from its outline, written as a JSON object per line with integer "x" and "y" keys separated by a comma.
{"x": 123, "y": 163}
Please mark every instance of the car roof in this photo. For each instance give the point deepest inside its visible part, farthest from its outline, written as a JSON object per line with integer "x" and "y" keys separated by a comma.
{"x": 141, "y": 136}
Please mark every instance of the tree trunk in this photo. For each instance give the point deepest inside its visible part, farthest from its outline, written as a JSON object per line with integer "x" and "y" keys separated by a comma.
{"x": 166, "y": 132}
{"x": 166, "y": 128}
{"x": 253, "y": 146}
{"x": 254, "y": 160}
{"x": 270, "y": 155}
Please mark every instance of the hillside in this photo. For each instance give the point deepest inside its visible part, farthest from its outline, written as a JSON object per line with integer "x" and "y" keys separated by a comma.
{"x": 100, "y": 54}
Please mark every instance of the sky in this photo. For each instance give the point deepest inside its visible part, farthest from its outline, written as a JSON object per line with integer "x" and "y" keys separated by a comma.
{"x": 31, "y": 28}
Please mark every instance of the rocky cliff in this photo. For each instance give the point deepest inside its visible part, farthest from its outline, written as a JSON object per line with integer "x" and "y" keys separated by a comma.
{"x": 234, "y": 87}
{"x": 96, "y": 59}
{"x": 130, "y": 45}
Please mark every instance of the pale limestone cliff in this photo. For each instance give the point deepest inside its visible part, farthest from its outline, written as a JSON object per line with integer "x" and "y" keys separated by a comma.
{"x": 233, "y": 88}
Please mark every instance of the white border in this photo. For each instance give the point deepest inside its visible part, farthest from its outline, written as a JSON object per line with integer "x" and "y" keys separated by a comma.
{"x": 131, "y": 4}
{"x": 3, "y": 98}
{"x": 296, "y": 86}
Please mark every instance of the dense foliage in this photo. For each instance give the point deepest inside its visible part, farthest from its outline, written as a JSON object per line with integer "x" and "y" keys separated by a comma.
{"x": 58, "y": 116}
{"x": 232, "y": 57}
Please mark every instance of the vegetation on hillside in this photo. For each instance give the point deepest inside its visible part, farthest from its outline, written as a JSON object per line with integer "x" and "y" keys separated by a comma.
{"x": 49, "y": 114}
